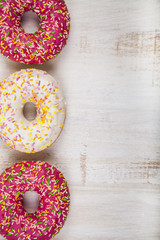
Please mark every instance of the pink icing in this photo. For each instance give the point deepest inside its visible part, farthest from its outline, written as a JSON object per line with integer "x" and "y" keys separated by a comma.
{"x": 49, "y": 183}
{"x": 44, "y": 44}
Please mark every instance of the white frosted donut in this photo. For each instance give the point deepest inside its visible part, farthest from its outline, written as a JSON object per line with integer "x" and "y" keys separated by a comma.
{"x": 39, "y": 88}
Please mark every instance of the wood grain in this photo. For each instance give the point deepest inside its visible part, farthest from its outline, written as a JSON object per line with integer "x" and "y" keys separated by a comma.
{"x": 109, "y": 149}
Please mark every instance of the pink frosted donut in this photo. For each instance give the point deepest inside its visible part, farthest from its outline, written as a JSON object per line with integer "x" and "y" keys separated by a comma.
{"x": 38, "y": 47}
{"x": 15, "y": 222}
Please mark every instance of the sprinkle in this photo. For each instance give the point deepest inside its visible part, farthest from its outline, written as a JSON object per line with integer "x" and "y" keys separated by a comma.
{"x": 7, "y": 34}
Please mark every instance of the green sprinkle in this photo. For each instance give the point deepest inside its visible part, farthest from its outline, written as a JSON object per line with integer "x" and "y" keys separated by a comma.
{"x": 58, "y": 37}
{"x": 40, "y": 234}
{"x": 34, "y": 52}
{"x": 53, "y": 32}
{"x": 59, "y": 211}
{"x": 41, "y": 45}
{"x": 57, "y": 180}
{"x": 8, "y": 224}
{"x": 48, "y": 180}
{"x": 29, "y": 44}
{"x": 9, "y": 234}
{"x": 53, "y": 5}
{"x": 46, "y": 228}
{"x": 50, "y": 193}
{"x": 65, "y": 199}
{"x": 19, "y": 174}
{"x": 10, "y": 210}
{"x": 1, "y": 6}
{"x": 60, "y": 34}
{"x": 15, "y": 14}
{"x": 53, "y": 209}
{"x": 37, "y": 216}
{"x": 38, "y": 223}
{"x": 6, "y": 187}
{"x": 16, "y": 234}
{"x": 65, "y": 185}
{"x": 7, "y": 34}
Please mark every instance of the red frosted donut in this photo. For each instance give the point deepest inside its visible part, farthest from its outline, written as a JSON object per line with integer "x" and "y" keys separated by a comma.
{"x": 38, "y": 47}
{"x": 15, "y": 222}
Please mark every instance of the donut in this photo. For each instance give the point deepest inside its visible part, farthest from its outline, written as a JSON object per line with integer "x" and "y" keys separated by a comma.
{"x": 38, "y": 47}
{"x": 15, "y": 222}
{"x": 39, "y": 88}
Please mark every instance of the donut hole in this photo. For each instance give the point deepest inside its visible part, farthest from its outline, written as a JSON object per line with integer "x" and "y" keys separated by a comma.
{"x": 29, "y": 111}
{"x": 30, "y": 22}
{"x": 31, "y": 201}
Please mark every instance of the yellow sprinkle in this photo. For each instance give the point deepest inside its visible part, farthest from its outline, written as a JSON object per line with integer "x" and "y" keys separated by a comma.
{"x": 56, "y": 105}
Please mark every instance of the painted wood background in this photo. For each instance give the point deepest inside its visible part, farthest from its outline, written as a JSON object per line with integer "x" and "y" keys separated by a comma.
{"x": 109, "y": 150}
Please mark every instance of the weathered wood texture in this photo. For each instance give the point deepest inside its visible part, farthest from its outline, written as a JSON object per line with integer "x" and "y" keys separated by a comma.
{"x": 109, "y": 149}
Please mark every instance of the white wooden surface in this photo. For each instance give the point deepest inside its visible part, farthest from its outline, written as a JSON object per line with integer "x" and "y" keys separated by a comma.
{"x": 109, "y": 149}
